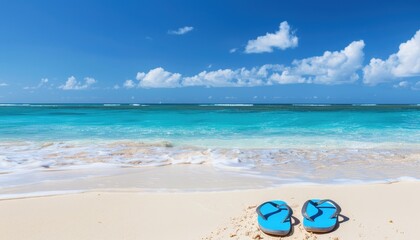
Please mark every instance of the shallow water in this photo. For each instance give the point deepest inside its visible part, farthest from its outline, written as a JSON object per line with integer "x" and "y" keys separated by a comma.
{"x": 290, "y": 143}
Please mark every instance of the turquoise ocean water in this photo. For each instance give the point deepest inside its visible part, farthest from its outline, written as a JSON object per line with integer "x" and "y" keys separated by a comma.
{"x": 371, "y": 142}
{"x": 292, "y": 124}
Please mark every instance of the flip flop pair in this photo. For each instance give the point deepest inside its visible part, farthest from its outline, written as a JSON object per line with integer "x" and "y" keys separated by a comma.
{"x": 321, "y": 216}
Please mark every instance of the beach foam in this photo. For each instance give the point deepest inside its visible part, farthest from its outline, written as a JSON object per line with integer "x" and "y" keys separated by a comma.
{"x": 282, "y": 165}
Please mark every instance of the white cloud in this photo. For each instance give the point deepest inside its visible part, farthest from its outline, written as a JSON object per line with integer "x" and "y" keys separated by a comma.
{"x": 286, "y": 78}
{"x": 233, "y": 78}
{"x": 232, "y": 50}
{"x": 73, "y": 84}
{"x": 416, "y": 86}
{"x": 404, "y": 63}
{"x": 89, "y": 80}
{"x": 181, "y": 31}
{"x": 129, "y": 84}
{"x": 4, "y": 84}
{"x": 282, "y": 39}
{"x": 158, "y": 77}
{"x": 331, "y": 68}
{"x": 116, "y": 87}
{"x": 402, "y": 84}
{"x": 43, "y": 82}
{"x": 336, "y": 67}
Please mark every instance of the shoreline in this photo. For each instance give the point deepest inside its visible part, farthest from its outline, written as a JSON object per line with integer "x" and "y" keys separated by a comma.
{"x": 181, "y": 178}
{"x": 54, "y": 193}
{"x": 208, "y": 215}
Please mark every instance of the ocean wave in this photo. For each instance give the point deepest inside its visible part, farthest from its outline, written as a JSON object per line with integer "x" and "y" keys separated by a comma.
{"x": 365, "y": 104}
{"x": 14, "y": 104}
{"x": 44, "y": 105}
{"x": 111, "y": 105}
{"x": 312, "y": 105}
{"x": 233, "y": 105}
{"x": 18, "y": 156}
{"x": 23, "y": 163}
{"x": 138, "y": 105}
{"x": 28, "y": 105}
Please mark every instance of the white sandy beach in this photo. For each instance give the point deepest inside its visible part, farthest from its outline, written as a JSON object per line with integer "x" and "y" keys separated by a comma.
{"x": 371, "y": 211}
{"x": 176, "y": 120}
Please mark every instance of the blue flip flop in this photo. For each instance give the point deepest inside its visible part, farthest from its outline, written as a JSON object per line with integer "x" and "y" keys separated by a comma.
{"x": 274, "y": 218}
{"x": 320, "y": 215}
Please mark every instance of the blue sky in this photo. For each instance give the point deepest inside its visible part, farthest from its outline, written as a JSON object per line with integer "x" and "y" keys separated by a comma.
{"x": 210, "y": 51}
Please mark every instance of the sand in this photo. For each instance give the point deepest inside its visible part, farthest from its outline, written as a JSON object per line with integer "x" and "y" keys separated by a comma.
{"x": 370, "y": 211}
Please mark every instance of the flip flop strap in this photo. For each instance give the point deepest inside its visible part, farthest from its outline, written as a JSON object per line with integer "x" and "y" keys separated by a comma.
{"x": 316, "y": 204}
{"x": 278, "y": 206}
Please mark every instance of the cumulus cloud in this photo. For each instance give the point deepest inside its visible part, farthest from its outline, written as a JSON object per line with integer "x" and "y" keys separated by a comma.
{"x": 416, "y": 86}
{"x": 233, "y": 50}
{"x": 73, "y": 84}
{"x": 42, "y": 83}
{"x": 282, "y": 39}
{"x": 4, "y": 84}
{"x": 336, "y": 67}
{"x": 158, "y": 77}
{"x": 242, "y": 77}
{"x": 129, "y": 84}
{"x": 402, "y": 84}
{"x": 404, "y": 63}
{"x": 331, "y": 68}
{"x": 406, "y": 84}
{"x": 181, "y": 30}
